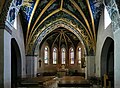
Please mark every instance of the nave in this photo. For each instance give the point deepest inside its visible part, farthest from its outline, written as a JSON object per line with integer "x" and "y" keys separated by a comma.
{"x": 56, "y": 39}
{"x": 55, "y": 82}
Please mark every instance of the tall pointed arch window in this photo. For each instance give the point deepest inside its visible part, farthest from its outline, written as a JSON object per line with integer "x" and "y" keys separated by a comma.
{"x": 71, "y": 55}
{"x": 46, "y": 55}
{"x": 63, "y": 55}
{"x": 79, "y": 55}
{"x": 54, "y": 55}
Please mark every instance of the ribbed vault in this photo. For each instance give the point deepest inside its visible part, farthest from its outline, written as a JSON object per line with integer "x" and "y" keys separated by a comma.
{"x": 82, "y": 13}
{"x": 62, "y": 26}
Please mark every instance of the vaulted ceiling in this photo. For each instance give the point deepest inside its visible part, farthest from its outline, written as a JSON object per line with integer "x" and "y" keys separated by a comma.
{"x": 84, "y": 15}
{"x": 61, "y": 37}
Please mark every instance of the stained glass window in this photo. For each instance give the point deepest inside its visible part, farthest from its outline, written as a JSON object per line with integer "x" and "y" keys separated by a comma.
{"x": 71, "y": 56}
{"x": 63, "y": 55}
{"x": 54, "y": 55}
{"x": 46, "y": 55}
{"x": 79, "y": 55}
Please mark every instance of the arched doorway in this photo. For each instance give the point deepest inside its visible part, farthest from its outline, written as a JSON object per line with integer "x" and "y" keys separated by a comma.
{"x": 107, "y": 59}
{"x": 15, "y": 63}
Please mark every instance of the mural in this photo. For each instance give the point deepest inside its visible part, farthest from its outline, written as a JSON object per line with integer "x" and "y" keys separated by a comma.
{"x": 12, "y": 15}
{"x": 13, "y": 10}
{"x": 96, "y": 7}
{"x": 58, "y": 16}
{"x": 18, "y": 2}
{"x": 76, "y": 11}
{"x": 68, "y": 5}
{"x": 27, "y": 8}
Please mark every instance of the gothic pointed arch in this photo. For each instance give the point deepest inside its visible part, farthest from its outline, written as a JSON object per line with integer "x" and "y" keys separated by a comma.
{"x": 46, "y": 55}
{"x": 55, "y": 55}
{"x": 71, "y": 55}
{"x": 63, "y": 55}
{"x": 107, "y": 59}
{"x": 16, "y": 63}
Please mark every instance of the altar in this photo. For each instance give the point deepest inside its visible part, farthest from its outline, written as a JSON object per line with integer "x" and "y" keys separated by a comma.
{"x": 73, "y": 81}
{"x": 62, "y": 71}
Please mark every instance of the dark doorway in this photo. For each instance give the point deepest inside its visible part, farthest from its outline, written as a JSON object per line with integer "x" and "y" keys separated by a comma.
{"x": 107, "y": 60}
{"x": 15, "y": 63}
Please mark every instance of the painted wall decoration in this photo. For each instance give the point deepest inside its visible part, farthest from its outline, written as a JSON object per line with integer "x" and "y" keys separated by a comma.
{"x": 13, "y": 11}
{"x": 27, "y": 8}
{"x": 18, "y": 2}
{"x": 96, "y": 7}
{"x": 12, "y": 14}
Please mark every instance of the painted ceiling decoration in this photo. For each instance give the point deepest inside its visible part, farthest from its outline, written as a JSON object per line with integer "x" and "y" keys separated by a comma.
{"x": 36, "y": 14}
{"x": 61, "y": 24}
{"x": 113, "y": 8}
{"x": 13, "y": 10}
{"x": 61, "y": 37}
{"x": 27, "y": 8}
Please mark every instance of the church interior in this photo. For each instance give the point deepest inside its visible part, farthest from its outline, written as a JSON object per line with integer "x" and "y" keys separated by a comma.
{"x": 59, "y": 43}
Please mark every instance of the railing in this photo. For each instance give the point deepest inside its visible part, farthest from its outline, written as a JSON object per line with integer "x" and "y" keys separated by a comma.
{"x": 107, "y": 82}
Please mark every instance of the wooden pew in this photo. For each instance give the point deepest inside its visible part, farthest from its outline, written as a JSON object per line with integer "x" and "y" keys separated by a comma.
{"x": 36, "y": 81}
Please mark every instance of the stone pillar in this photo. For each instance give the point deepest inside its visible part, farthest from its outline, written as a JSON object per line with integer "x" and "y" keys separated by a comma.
{"x": 90, "y": 66}
{"x": 31, "y": 65}
{"x": 36, "y": 61}
{"x": 115, "y": 17}
{"x": 117, "y": 59}
{"x": 5, "y": 58}
{"x": 2, "y": 58}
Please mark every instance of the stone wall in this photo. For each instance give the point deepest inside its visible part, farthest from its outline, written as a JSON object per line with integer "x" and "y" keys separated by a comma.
{"x": 101, "y": 37}
{"x": 18, "y": 35}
